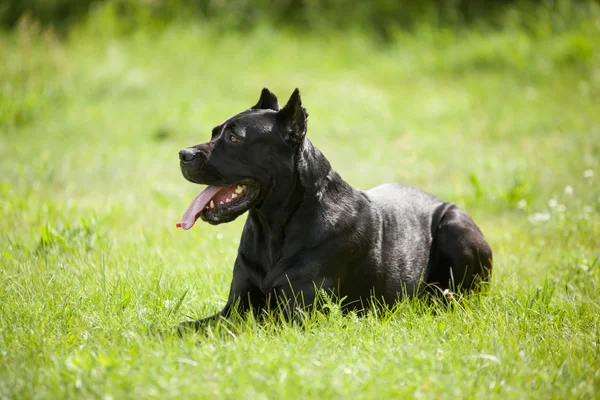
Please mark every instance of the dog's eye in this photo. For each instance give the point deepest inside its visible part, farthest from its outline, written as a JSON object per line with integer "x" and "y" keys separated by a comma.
{"x": 233, "y": 139}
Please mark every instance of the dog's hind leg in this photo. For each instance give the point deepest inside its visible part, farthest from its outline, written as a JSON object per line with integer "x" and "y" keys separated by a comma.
{"x": 461, "y": 258}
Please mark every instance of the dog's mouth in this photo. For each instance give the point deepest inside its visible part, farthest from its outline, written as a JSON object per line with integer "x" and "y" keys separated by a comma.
{"x": 218, "y": 204}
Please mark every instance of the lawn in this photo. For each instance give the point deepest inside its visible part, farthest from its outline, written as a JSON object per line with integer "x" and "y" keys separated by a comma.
{"x": 504, "y": 123}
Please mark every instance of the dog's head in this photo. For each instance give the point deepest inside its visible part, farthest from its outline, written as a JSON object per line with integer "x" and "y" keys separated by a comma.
{"x": 241, "y": 159}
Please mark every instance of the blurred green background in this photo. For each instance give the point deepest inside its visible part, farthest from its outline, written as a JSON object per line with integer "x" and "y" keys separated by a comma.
{"x": 493, "y": 105}
{"x": 382, "y": 17}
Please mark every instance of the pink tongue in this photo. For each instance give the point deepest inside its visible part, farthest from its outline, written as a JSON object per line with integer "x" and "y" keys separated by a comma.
{"x": 197, "y": 206}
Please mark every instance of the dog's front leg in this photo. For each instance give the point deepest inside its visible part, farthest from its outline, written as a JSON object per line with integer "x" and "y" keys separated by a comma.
{"x": 243, "y": 297}
{"x": 196, "y": 325}
{"x": 297, "y": 298}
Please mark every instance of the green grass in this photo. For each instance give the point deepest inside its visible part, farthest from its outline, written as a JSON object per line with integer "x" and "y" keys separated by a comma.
{"x": 506, "y": 124}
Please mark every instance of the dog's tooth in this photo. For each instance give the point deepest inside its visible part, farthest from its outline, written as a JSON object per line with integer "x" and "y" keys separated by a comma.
{"x": 234, "y": 195}
{"x": 221, "y": 203}
{"x": 212, "y": 204}
{"x": 239, "y": 189}
{"x": 228, "y": 200}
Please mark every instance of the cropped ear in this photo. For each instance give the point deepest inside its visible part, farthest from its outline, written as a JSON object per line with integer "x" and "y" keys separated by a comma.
{"x": 293, "y": 119}
{"x": 267, "y": 101}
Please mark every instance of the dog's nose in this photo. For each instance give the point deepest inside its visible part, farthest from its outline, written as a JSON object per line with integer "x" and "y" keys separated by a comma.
{"x": 187, "y": 154}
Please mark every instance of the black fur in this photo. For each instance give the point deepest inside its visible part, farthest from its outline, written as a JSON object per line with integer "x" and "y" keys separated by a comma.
{"x": 308, "y": 229}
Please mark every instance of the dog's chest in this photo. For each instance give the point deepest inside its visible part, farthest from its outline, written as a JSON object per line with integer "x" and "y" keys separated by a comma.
{"x": 263, "y": 266}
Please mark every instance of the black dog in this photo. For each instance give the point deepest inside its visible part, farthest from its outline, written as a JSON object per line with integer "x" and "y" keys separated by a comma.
{"x": 308, "y": 230}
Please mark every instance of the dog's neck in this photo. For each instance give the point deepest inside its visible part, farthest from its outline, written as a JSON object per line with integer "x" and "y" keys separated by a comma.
{"x": 304, "y": 187}
{"x": 313, "y": 169}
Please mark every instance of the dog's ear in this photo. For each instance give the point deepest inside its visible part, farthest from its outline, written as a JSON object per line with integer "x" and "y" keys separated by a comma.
{"x": 293, "y": 119}
{"x": 267, "y": 101}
